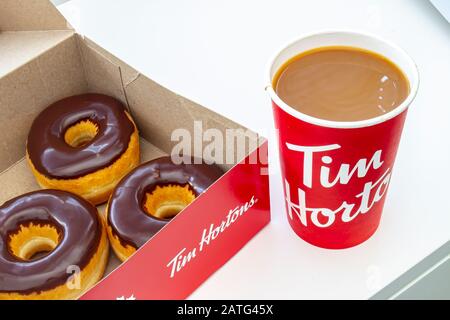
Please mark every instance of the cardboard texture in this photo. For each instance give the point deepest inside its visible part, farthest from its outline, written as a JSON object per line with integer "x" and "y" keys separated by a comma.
{"x": 30, "y": 15}
{"x": 52, "y": 75}
{"x": 18, "y": 48}
{"x": 42, "y": 61}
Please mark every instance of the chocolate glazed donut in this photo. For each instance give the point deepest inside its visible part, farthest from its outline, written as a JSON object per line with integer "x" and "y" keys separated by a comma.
{"x": 63, "y": 225}
{"x": 149, "y": 196}
{"x": 83, "y": 144}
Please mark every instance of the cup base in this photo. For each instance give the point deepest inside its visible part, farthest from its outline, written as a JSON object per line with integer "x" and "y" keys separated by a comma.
{"x": 338, "y": 245}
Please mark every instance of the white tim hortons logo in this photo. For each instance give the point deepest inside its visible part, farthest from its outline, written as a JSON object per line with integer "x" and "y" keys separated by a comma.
{"x": 361, "y": 203}
{"x": 208, "y": 237}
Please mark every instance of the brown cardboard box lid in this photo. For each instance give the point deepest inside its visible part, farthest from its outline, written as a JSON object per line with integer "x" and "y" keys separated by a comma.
{"x": 28, "y": 28}
{"x": 31, "y": 15}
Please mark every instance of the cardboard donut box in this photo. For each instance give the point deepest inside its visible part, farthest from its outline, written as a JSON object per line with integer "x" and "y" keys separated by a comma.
{"x": 42, "y": 60}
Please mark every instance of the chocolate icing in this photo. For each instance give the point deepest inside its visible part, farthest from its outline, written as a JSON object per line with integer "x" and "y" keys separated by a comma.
{"x": 54, "y": 158}
{"x": 77, "y": 223}
{"x": 126, "y": 215}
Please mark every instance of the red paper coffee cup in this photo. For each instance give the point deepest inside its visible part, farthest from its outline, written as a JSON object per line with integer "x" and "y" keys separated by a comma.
{"x": 336, "y": 174}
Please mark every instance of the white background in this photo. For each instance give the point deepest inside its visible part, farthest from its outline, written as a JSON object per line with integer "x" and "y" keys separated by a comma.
{"x": 215, "y": 53}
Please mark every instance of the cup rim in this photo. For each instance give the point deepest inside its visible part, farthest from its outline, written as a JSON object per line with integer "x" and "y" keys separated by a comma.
{"x": 413, "y": 80}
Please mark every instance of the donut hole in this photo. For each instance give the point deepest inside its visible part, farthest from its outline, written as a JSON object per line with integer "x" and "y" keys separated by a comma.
{"x": 165, "y": 202}
{"x": 81, "y": 133}
{"x": 33, "y": 241}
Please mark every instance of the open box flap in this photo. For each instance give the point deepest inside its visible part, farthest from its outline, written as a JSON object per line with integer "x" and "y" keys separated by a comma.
{"x": 28, "y": 28}
{"x": 19, "y": 48}
{"x": 32, "y": 84}
{"x": 31, "y": 15}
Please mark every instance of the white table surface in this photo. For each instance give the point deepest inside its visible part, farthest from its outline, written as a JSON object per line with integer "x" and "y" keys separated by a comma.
{"x": 215, "y": 53}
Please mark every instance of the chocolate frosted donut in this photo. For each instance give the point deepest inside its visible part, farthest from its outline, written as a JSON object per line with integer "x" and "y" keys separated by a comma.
{"x": 81, "y": 136}
{"x": 55, "y": 158}
{"x": 64, "y": 226}
{"x": 149, "y": 196}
